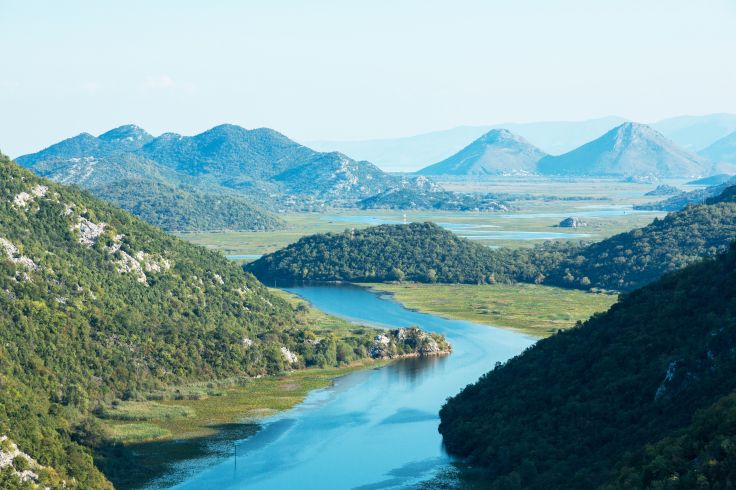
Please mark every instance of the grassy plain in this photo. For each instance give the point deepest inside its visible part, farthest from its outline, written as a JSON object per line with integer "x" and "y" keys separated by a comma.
{"x": 534, "y": 310}
{"x": 247, "y": 401}
{"x": 536, "y": 215}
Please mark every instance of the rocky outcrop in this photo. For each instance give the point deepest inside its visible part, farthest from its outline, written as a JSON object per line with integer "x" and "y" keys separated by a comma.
{"x": 572, "y": 222}
{"x": 290, "y": 357}
{"x": 408, "y": 342}
{"x": 23, "y": 467}
{"x": 12, "y": 253}
{"x": 664, "y": 190}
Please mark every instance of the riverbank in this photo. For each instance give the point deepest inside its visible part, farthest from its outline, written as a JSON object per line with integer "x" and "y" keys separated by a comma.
{"x": 147, "y": 439}
{"x": 535, "y": 310}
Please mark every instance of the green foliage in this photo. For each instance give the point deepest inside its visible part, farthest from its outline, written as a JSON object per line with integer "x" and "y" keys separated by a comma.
{"x": 703, "y": 455}
{"x": 184, "y": 208}
{"x": 570, "y": 411}
{"x": 630, "y": 260}
{"x": 77, "y": 331}
{"x": 420, "y": 252}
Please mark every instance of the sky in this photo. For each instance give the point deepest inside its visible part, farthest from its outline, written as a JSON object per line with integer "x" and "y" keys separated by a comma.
{"x": 351, "y": 70}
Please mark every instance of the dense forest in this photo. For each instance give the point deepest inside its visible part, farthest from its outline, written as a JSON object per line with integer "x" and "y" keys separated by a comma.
{"x": 425, "y": 252}
{"x": 184, "y": 208}
{"x": 422, "y": 252}
{"x": 97, "y": 305}
{"x": 632, "y": 259}
{"x": 638, "y": 397}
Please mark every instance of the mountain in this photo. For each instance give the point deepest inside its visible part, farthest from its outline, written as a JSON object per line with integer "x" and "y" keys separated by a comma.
{"x": 422, "y": 252}
{"x": 97, "y": 305}
{"x": 630, "y": 149}
{"x": 680, "y": 201}
{"x": 696, "y": 132}
{"x": 261, "y": 165}
{"x": 498, "y": 152}
{"x": 184, "y": 208}
{"x": 615, "y": 401}
{"x": 723, "y": 150}
{"x": 411, "y": 153}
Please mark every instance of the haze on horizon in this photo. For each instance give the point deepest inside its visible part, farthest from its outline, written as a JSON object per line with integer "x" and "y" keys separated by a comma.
{"x": 354, "y": 70}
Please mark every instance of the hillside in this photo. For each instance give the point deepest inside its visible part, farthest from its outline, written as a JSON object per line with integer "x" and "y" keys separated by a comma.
{"x": 498, "y": 152}
{"x": 422, "y": 252}
{"x": 628, "y": 150}
{"x": 615, "y": 402}
{"x": 711, "y": 180}
{"x": 96, "y": 305}
{"x": 261, "y": 165}
{"x": 184, "y": 208}
{"x": 680, "y": 201}
{"x": 632, "y": 259}
{"x": 433, "y": 199}
{"x": 723, "y": 150}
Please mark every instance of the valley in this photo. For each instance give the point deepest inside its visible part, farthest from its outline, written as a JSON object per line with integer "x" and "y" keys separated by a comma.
{"x": 605, "y": 204}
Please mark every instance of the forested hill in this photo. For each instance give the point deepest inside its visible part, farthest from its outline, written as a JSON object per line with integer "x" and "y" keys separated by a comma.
{"x": 632, "y": 259}
{"x": 96, "y": 305}
{"x": 616, "y": 401}
{"x": 422, "y": 252}
{"x": 183, "y": 208}
{"x": 425, "y": 252}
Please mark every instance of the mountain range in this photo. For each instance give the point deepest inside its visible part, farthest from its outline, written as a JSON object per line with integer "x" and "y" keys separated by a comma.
{"x": 628, "y": 150}
{"x": 407, "y": 154}
{"x": 260, "y": 165}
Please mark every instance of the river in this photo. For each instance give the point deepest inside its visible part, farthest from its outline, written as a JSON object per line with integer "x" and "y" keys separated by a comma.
{"x": 373, "y": 429}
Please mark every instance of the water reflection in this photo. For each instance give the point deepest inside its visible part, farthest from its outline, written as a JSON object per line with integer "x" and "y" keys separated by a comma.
{"x": 372, "y": 429}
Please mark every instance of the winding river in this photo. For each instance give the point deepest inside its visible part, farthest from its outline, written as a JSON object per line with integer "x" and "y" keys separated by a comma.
{"x": 373, "y": 429}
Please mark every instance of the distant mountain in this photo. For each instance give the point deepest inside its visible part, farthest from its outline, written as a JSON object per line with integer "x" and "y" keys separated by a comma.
{"x": 722, "y": 151}
{"x": 711, "y": 180}
{"x": 260, "y": 164}
{"x": 630, "y": 149}
{"x": 437, "y": 200}
{"x": 414, "y": 152}
{"x": 498, "y": 152}
{"x": 696, "y": 132}
{"x": 638, "y": 397}
{"x": 411, "y": 153}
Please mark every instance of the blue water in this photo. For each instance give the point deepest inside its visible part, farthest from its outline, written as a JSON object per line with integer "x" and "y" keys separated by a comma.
{"x": 374, "y": 429}
{"x": 247, "y": 256}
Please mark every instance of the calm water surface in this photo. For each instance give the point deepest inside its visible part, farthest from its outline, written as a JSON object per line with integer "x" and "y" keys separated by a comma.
{"x": 374, "y": 429}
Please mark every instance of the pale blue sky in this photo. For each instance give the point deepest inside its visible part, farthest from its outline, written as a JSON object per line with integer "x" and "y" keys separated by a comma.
{"x": 355, "y": 70}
